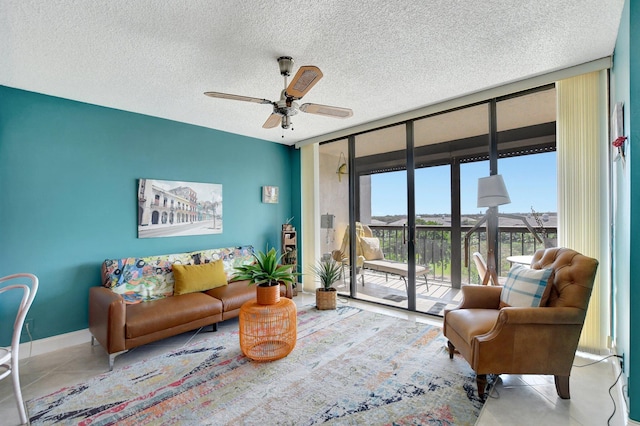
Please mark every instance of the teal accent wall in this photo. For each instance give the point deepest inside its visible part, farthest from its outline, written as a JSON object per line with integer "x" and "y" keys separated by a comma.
{"x": 626, "y": 203}
{"x": 633, "y": 22}
{"x": 68, "y": 185}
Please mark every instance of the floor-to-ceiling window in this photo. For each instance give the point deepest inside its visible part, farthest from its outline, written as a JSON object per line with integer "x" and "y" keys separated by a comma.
{"x": 334, "y": 203}
{"x": 414, "y": 188}
{"x": 381, "y": 172}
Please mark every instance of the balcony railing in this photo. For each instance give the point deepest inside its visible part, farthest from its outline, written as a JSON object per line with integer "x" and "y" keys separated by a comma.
{"x": 433, "y": 247}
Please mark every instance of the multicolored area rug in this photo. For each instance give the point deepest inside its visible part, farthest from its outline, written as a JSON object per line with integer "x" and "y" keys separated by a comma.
{"x": 349, "y": 367}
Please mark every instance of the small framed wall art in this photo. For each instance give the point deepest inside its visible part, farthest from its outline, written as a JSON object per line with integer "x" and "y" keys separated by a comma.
{"x": 270, "y": 194}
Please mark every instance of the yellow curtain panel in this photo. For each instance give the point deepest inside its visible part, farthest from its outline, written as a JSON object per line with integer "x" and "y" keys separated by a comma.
{"x": 582, "y": 177}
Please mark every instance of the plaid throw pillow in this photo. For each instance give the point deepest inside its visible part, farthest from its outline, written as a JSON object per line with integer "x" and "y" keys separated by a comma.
{"x": 525, "y": 287}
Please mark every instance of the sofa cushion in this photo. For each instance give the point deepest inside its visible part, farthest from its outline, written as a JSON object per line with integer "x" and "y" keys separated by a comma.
{"x": 234, "y": 294}
{"x": 525, "y": 287}
{"x": 150, "y": 278}
{"x": 192, "y": 278}
{"x": 158, "y": 315}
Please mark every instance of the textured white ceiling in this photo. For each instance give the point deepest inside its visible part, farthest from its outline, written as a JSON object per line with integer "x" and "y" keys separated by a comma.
{"x": 379, "y": 57}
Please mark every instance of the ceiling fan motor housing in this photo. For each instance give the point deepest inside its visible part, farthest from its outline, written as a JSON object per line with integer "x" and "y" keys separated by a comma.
{"x": 286, "y": 108}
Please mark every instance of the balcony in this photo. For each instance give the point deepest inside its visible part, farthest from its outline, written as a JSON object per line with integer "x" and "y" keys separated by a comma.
{"x": 433, "y": 249}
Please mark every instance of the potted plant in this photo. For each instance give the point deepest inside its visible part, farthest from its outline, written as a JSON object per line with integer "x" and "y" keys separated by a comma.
{"x": 328, "y": 270}
{"x": 266, "y": 273}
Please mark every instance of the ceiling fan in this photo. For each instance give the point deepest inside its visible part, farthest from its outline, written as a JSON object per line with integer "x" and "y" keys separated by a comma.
{"x": 306, "y": 77}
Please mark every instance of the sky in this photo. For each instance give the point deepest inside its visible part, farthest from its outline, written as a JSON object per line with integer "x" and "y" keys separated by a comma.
{"x": 530, "y": 180}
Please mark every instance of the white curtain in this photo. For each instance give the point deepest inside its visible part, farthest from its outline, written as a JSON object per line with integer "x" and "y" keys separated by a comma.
{"x": 310, "y": 212}
{"x": 582, "y": 147}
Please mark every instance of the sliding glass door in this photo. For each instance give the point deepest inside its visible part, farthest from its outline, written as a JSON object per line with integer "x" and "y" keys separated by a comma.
{"x": 381, "y": 191}
{"x": 441, "y": 143}
{"x": 396, "y": 203}
{"x": 333, "y": 196}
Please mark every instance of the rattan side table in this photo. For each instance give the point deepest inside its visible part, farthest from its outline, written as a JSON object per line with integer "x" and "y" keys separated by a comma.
{"x": 268, "y": 332}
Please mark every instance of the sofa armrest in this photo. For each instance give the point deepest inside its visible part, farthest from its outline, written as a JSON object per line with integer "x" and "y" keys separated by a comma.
{"x": 107, "y": 318}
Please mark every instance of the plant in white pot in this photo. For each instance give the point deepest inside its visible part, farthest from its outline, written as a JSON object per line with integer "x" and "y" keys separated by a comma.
{"x": 266, "y": 273}
{"x": 328, "y": 271}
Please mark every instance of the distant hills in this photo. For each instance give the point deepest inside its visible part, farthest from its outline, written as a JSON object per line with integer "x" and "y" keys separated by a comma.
{"x": 547, "y": 219}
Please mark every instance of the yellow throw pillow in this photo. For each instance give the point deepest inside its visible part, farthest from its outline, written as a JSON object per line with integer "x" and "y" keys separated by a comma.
{"x": 193, "y": 278}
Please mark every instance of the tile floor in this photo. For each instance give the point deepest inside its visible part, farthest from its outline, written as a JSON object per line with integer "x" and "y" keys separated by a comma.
{"x": 515, "y": 400}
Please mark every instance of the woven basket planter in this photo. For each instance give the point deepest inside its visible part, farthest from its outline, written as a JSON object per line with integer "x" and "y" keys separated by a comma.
{"x": 267, "y": 295}
{"x": 326, "y": 299}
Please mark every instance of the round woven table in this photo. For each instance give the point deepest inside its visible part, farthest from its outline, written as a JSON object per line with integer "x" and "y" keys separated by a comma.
{"x": 268, "y": 332}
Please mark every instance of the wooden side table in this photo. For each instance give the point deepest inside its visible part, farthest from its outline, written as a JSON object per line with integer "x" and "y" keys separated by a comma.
{"x": 268, "y": 332}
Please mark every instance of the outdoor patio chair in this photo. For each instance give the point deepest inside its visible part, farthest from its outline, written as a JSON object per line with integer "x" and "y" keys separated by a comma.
{"x": 481, "y": 266}
{"x": 342, "y": 255}
{"x": 370, "y": 256}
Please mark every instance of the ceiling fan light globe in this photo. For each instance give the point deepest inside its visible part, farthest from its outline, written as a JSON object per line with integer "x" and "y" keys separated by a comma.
{"x": 286, "y": 65}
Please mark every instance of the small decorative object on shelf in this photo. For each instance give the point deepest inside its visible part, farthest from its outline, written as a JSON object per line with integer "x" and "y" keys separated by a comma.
{"x": 289, "y": 249}
{"x": 287, "y": 226}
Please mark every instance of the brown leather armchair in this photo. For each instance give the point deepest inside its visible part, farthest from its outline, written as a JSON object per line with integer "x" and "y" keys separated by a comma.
{"x": 515, "y": 340}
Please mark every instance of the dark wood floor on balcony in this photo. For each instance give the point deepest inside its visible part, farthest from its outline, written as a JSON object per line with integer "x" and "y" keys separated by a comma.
{"x": 391, "y": 290}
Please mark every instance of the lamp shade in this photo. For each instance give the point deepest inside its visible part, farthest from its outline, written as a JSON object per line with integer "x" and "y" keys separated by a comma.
{"x": 492, "y": 191}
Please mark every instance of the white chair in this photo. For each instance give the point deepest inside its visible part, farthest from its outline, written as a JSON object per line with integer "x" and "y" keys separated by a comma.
{"x": 9, "y": 357}
{"x": 481, "y": 265}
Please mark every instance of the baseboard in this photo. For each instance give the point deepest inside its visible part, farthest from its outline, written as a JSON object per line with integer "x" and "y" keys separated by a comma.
{"x": 54, "y": 343}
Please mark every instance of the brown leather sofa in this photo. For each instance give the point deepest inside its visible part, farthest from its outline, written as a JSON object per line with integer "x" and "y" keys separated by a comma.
{"x": 519, "y": 340}
{"x": 119, "y": 326}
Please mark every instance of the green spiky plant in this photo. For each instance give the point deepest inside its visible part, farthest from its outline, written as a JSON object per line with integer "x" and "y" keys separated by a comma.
{"x": 328, "y": 271}
{"x": 266, "y": 270}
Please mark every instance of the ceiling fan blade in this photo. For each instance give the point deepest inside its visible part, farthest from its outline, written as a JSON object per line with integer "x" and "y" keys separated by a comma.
{"x": 273, "y": 121}
{"x": 326, "y": 110}
{"x": 303, "y": 81}
{"x": 237, "y": 97}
